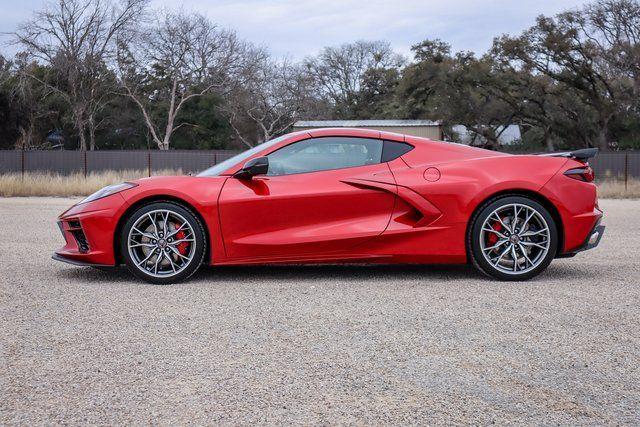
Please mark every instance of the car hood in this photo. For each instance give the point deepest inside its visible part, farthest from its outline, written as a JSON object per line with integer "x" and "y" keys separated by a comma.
{"x": 192, "y": 189}
{"x": 171, "y": 180}
{"x": 182, "y": 183}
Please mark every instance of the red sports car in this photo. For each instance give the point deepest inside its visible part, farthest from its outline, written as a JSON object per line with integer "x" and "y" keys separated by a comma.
{"x": 345, "y": 195}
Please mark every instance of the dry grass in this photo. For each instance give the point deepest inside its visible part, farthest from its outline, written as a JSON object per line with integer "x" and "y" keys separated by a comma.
{"x": 615, "y": 189}
{"x": 47, "y": 184}
{"x": 44, "y": 184}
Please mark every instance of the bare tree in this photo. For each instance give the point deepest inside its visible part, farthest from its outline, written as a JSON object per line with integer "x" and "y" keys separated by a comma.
{"x": 613, "y": 26}
{"x": 183, "y": 57}
{"x": 269, "y": 101}
{"x": 76, "y": 39}
{"x": 339, "y": 71}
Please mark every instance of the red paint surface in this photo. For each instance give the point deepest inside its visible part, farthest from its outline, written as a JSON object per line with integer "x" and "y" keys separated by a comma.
{"x": 389, "y": 212}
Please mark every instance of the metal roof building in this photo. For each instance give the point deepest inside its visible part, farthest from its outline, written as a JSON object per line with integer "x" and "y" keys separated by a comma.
{"x": 423, "y": 128}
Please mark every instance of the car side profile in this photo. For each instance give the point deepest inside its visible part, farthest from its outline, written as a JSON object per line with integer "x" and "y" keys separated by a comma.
{"x": 345, "y": 195}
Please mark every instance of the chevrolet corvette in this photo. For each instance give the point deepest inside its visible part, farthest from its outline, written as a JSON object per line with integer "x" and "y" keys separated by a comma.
{"x": 344, "y": 196}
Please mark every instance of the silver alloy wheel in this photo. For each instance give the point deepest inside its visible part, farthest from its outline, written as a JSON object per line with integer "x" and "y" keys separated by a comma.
{"x": 161, "y": 243}
{"x": 515, "y": 238}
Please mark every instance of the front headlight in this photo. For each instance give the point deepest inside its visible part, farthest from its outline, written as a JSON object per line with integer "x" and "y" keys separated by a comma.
{"x": 107, "y": 191}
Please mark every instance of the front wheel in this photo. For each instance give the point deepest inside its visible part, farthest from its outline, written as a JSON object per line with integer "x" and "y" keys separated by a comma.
{"x": 512, "y": 238}
{"x": 163, "y": 243}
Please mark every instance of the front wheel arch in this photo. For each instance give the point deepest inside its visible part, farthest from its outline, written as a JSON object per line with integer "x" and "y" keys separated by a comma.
{"x": 154, "y": 199}
{"x": 537, "y": 197}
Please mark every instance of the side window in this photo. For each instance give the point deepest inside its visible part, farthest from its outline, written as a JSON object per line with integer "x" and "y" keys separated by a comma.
{"x": 392, "y": 150}
{"x": 318, "y": 154}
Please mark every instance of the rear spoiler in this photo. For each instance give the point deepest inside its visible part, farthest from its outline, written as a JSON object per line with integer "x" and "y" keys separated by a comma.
{"x": 582, "y": 155}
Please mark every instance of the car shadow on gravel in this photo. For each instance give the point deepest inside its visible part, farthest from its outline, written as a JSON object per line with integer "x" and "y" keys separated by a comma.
{"x": 356, "y": 272}
{"x": 363, "y": 272}
{"x": 344, "y": 272}
{"x": 288, "y": 273}
{"x": 90, "y": 275}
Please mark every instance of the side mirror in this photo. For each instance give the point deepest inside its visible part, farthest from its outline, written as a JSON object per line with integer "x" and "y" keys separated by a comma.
{"x": 257, "y": 166}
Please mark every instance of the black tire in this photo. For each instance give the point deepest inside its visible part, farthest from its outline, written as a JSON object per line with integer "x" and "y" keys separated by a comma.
{"x": 474, "y": 249}
{"x": 190, "y": 267}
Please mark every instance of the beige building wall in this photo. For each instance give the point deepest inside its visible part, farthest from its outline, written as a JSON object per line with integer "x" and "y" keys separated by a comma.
{"x": 431, "y": 132}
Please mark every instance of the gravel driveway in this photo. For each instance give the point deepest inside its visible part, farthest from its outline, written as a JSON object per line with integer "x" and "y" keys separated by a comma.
{"x": 320, "y": 345}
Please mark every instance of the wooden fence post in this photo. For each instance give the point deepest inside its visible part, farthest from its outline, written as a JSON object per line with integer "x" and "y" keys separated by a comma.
{"x": 149, "y": 162}
{"x": 22, "y": 162}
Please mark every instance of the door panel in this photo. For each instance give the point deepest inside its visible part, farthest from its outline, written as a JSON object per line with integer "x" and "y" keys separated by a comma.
{"x": 305, "y": 214}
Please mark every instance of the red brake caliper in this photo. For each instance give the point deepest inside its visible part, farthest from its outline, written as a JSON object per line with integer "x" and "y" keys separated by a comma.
{"x": 182, "y": 246}
{"x": 493, "y": 237}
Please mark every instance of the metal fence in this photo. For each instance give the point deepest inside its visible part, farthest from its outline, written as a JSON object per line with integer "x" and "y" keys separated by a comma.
{"x": 86, "y": 162}
{"x": 620, "y": 164}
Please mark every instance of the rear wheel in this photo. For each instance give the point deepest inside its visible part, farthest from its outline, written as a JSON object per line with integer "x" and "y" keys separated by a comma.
{"x": 163, "y": 243}
{"x": 512, "y": 238}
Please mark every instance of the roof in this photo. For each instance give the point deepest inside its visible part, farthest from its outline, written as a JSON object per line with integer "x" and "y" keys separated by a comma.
{"x": 363, "y": 123}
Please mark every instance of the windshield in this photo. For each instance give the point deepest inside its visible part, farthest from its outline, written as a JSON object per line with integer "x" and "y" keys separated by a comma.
{"x": 221, "y": 167}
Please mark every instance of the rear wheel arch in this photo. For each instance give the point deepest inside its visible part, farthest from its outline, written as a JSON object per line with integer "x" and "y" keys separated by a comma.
{"x": 154, "y": 199}
{"x": 546, "y": 203}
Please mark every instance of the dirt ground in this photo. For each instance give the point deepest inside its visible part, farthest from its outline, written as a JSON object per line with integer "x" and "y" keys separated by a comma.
{"x": 317, "y": 345}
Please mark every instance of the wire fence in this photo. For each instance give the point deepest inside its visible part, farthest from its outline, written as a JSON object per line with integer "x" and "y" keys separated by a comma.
{"x": 619, "y": 165}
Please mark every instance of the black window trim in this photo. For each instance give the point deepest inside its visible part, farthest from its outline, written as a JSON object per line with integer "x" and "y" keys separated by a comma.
{"x": 384, "y": 144}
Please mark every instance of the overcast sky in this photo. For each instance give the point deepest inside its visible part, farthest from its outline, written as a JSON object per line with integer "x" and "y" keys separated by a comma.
{"x": 297, "y": 28}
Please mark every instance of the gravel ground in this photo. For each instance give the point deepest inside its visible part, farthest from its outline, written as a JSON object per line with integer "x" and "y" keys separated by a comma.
{"x": 317, "y": 345}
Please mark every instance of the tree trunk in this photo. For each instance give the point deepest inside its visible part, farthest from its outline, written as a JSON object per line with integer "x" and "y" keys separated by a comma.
{"x": 92, "y": 134}
{"x": 92, "y": 138}
{"x": 29, "y": 136}
{"x": 82, "y": 136}
{"x": 25, "y": 142}
{"x": 548, "y": 141}
{"x": 493, "y": 144}
{"x": 265, "y": 135}
{"x": 491, "y": 139}
{"x": 78, "y": 118}
{"x": 21, "y": 142}
{"x": 601, "y": 140}
{"x": 164, "y": 144}
{"x": 549, "y": 144}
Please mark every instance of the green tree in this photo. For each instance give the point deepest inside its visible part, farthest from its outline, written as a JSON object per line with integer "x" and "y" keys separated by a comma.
{"x": 29, "y": 109}
{"x": 562, "y": 48}
{"x": 377, "y": 96}
{"x": 457, "y": 89}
